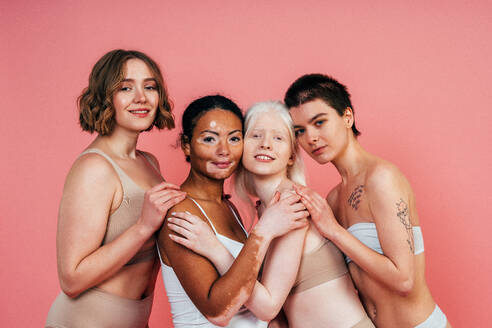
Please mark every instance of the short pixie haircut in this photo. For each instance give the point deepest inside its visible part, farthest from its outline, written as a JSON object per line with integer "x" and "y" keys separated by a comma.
{"x": 96, "y": 110}
{"x": 200, "y": 107}
{"x": 310, "y": 87}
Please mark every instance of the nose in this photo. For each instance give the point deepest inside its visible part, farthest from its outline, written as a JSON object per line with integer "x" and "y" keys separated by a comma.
{"x": 266, "y": 143}
{"x": 140, "y": 95}
{"x": 312, "y": 136}
{"x": 223, "y": 148}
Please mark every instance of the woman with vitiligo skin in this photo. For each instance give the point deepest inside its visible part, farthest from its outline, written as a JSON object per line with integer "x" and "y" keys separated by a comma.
{"x": 370, "y": 215}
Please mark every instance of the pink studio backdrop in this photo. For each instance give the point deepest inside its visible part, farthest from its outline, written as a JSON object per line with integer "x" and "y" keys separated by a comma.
{"x": 419, "y": 75}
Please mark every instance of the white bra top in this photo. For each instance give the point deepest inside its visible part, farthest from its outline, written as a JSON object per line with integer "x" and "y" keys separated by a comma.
{"x": 184, "y": 313}
{"x": 366, "y": 232}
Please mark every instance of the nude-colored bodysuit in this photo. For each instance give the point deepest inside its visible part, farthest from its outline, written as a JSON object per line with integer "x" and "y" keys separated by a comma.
{"x": 95, "y": 307}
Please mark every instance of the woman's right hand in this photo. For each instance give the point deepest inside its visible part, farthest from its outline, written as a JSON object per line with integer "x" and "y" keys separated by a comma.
{"x": 282, "y": 214}
{"x": 194, "y": 233}
{"x": 157, "y": 201}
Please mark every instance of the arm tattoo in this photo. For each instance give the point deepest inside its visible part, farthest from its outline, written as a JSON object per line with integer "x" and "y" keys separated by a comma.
{"x": 354, "y": 198}
{"x": 402, "y": 213}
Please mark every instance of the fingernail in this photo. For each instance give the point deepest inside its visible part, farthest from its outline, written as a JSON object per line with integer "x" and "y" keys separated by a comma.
{"x": 173, "y": 213}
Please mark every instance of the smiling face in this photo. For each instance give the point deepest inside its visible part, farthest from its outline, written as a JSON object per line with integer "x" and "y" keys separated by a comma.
{"x": 267, "y": 145}
{"x": 320, "y": 130}
{"x": 136, "y": 99}
{"x": 217, "y": 144}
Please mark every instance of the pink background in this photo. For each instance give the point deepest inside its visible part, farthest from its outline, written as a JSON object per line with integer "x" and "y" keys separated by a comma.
{"x": 419, "y": 75}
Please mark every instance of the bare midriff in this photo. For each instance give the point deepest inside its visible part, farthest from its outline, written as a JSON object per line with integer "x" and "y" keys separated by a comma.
{"x": 390, "y": 309}
{"x": 133, "y": 281}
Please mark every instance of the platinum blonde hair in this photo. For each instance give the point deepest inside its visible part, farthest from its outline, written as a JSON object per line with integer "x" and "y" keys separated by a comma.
{"x": 295, "y": 172}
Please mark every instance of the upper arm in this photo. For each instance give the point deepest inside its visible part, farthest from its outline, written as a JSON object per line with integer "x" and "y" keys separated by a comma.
{"x": 390, "y": 198}
{"x": 86, "y": 203}
{"x": 195, "y": 273}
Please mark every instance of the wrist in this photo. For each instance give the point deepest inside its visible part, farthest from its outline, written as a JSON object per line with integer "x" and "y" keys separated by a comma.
{"x": 144, "y": 229}
{"x": 261, "y": 233}
{"x": 335, "y": 233}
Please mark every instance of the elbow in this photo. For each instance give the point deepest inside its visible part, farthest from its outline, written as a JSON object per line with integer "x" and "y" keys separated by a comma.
{"x": 221, "y": 321}
{"x": 405, "y": 287}
{"x": 267, "y": 316}
{"x": 219, "y": 317}
{"x": 267, "y": 313}
{"x": 69, "y": 285}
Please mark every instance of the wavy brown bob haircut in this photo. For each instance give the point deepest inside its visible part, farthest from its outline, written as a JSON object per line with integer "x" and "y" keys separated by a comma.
{"x": 96, "y": 110}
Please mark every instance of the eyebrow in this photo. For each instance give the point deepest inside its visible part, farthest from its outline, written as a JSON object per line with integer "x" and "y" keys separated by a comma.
{"x": 281, "y": 131}
{"x": 145, "y": 80}
{"x": 216, "y": 133}
{"x": 314, "y": 118}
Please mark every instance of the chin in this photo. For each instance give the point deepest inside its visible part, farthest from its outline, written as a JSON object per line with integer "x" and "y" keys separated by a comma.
{"x": 220, "y": 175}
{"x": 323, "y": 158}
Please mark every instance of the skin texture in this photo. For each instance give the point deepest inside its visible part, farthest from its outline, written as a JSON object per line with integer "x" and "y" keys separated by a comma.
{"x": 392, "y": 286}
{"x": 269, "y": 137}
{"x": 210, "y": 150}
{"x": 86, "y": 203}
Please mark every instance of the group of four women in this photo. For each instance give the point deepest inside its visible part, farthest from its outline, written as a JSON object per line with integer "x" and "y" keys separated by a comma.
{"x": 357, "y": 261}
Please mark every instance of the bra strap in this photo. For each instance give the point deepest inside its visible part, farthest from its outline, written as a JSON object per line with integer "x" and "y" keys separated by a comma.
{"x": 147, "y": 158}
{"x": 203, "y": 212}
{"x": 236, "y": 216}
{"x": 116, "y": 167}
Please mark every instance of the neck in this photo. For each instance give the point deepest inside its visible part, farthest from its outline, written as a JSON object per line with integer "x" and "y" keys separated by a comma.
{"x": 121, "y": 143}
{"x": 266, "y": 186}
{"x": 350, "y": 162}
{"x": 201, "y": 187}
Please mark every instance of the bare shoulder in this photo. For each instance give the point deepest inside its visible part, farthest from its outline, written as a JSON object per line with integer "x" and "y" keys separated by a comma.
{"x": 187, "y": 205}
{"x": 91, "y": 169}
{"x": 332, "y": 197}
{"x": 152, "y": 158}
{"x": 383, "y": 174}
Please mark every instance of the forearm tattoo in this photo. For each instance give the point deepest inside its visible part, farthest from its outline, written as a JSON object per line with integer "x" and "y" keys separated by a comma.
{"x": 354, "y": 199}
{"x": 403, "y": 215}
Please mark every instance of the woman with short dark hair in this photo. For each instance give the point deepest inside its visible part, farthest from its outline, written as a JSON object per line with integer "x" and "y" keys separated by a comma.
{"x": 371, "y": 215}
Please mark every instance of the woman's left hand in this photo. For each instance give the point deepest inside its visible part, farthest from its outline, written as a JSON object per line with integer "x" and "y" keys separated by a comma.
{"x": 195, "y": 234}
{"x": 321, "y": 214}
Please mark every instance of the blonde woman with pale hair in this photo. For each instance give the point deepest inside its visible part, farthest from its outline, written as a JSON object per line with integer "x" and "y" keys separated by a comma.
{"x": 303, "y": 272}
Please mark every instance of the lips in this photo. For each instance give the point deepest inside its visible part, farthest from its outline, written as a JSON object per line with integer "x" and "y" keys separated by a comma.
{"x": 318, "y": 150}
{"x": 223, "y": 164}
{"x": 264, "y": 158}
{"x": 141, "y": 112}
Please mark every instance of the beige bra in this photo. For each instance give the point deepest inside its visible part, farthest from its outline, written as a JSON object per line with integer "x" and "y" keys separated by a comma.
{"x": 323, "y": 264}
{"x": 129, "y": 210}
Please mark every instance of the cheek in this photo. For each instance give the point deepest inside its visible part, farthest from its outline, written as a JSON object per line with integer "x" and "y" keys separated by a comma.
{"x": 302, "y": 140}
{"x": 248, "y": 148}
{"x": 154, "y": 99}
{"x": 237, "y": 152}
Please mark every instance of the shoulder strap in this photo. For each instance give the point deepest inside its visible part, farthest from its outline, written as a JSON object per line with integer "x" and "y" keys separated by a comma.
{"x": 236, "y": 216}
{"x": 118, "y": 169}
{"x": 147, "y": 158}
{"x": 203, "y": 212}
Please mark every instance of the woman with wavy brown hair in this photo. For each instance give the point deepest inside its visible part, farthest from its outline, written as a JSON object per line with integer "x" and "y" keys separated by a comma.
{"x": 114, "y": 199}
